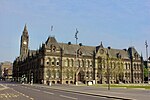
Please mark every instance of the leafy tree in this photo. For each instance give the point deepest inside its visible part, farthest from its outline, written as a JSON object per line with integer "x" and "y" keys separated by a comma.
{"x": 117, "y": 70}
{"x": 145, "y": 72}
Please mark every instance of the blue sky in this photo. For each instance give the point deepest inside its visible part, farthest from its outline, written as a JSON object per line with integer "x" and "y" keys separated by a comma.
{"x": 117, "y": 23}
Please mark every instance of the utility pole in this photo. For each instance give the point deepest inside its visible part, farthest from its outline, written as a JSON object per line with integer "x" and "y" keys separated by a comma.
{"x": 76, "y": 37}
{"x": 146, "y": 45}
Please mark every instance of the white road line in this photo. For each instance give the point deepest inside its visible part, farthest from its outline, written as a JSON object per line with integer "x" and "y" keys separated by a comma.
{"x": 35, "y": 89}
{"x": 48, "y": 92}
{"x": 68, "y": 97}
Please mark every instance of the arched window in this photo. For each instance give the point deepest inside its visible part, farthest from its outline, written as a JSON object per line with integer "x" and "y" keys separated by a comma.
{"x": 129, "y": 66}
{"x": 48, "y": 61}
{"x": 53, "y": 62}
{"x": 57, "y": 62}
{"x": 126, "y": 66}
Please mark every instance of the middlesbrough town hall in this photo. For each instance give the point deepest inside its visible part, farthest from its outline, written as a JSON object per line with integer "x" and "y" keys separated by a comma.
{"x": 67, "y": 63}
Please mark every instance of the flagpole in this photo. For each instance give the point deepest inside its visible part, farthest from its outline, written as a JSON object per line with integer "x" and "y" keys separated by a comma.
{"x": 52, "y": 29}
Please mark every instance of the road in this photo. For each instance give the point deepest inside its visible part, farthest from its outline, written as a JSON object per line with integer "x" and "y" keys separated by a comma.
{"x": 29, "y": 92}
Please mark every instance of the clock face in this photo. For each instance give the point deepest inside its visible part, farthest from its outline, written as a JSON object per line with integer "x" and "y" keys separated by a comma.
{"x": 101, "y": 51}
{"x": 25, "y": 42}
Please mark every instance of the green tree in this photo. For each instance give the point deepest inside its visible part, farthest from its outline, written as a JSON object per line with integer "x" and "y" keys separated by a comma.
{"x": 117, "y": 70}
{"x": 145, "y": 72}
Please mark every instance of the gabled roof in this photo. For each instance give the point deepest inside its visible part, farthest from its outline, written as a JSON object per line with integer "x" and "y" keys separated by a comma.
{"x": 51, "y": 41}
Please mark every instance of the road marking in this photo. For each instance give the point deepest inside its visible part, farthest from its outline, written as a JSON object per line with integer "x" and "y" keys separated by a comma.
{"x": 31, "y": 98}
{"x": 36, "y": 89}
{"x": 48, "y": 92}
{"x": 68, "y": 97}
{"x": 22, "y": 94}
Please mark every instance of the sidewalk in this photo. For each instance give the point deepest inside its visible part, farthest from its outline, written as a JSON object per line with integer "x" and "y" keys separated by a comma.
{"x": 116, "y": 93}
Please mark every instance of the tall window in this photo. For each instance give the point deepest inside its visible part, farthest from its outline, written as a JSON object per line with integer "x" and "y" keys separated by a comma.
{"x": 82, "y": 63}
{"x": 88, "y": 62}
{"x": 71, "y": 62}
{"x": 67, "y": 62}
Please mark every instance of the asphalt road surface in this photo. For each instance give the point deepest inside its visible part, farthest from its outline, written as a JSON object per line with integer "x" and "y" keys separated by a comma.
{"x": 25, "y": 92}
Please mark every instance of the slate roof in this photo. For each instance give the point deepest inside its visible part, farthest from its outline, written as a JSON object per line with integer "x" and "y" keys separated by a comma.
{"x": 113, "y": 53}
{"x": 69, "y": 48}
{"x": 72, "y": 48}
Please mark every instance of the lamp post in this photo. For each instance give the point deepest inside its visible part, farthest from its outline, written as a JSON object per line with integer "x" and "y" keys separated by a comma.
{"x": 146, "y": 45}
{"x": 108, "y": 74}
{"x": 31, "y": 78}
{"x": 76, "y": 37}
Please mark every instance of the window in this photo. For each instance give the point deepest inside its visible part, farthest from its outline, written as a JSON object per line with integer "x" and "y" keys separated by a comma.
{"x": 67, "y": 62}
{"x": 57, "y": 63}
{"x": 53, "y": 48}
{"x": 82, "y": 63}
{"x": 126, "y": 66}
{"x": 53, "y": 63}
{"x": 71, "y": 62}
{"x": 88, "y": 62}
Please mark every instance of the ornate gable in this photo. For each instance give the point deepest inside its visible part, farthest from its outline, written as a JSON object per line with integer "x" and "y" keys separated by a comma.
{"x": 52, "y": 44}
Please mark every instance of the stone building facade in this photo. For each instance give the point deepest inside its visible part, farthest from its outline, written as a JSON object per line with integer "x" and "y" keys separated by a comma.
{"x": 6, "y": 70}
{"x": 68, "y": 63}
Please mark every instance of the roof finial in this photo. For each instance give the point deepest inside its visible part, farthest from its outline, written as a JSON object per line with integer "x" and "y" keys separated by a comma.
{"x": 101, "y": 45}
{"x": 25, "y": 27}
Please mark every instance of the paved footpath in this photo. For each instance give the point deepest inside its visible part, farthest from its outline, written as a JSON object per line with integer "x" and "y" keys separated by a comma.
{"x": 116, "y": 93}
{"x": 7, "y": 93}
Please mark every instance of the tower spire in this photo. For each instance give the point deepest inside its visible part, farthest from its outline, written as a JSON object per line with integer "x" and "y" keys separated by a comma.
{"x": 25, "y": 31}
{"x": 24, "y": 42}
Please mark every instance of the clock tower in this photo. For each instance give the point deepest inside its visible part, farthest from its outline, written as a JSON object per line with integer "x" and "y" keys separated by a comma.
{"x": 24, "y": 42}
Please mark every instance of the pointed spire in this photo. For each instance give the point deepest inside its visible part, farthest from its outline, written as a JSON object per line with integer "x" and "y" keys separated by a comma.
{"x": 25, "y": 31}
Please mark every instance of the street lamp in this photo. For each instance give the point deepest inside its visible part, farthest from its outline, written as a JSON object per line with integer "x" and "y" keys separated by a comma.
{"x": 108, "y": 74}
{"x": 146, "y": 45}
{"x": 76, "y": 37}
{"x": 31, "y": 78}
